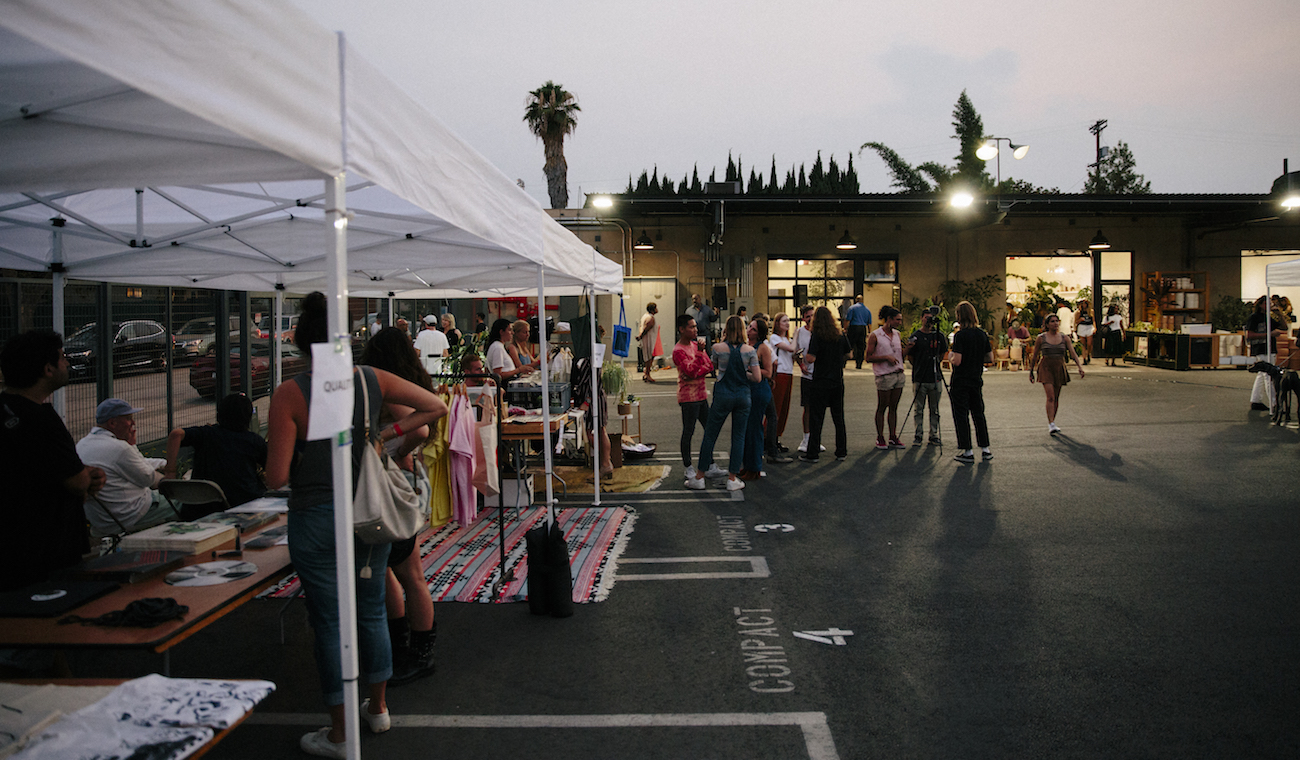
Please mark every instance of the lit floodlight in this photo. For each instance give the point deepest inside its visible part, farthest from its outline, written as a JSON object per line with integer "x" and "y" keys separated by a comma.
{"x": 602, "y": 201}
{"x": 1291, "y": 202}
{"x": 987, "y": 151}
{"x": 962, "y": 199}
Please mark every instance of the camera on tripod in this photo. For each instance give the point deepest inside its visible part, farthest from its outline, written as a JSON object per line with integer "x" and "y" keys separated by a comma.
{"x": 931, "y": 316}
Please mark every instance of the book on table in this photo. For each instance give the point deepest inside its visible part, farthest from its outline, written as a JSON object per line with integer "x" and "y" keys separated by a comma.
{"x": 129, "y": 567}
{"x": 188, "y": 537}
{"x": 244, "y": 522}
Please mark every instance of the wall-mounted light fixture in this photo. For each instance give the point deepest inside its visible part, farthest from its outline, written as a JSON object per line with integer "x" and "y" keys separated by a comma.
{"x": 602, "y": 201}
{"x": 847, "y": 243}
{"x": 1099, "y": 242}
{"x": 643, "y": 243}
{"x": 961, "y": 199}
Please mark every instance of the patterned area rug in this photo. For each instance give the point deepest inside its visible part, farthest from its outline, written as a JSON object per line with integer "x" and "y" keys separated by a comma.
{"x": 462, "y": 564}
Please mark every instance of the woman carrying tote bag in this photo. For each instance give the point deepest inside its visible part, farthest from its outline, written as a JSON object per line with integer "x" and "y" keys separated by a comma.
{"x": 308, "y": 466}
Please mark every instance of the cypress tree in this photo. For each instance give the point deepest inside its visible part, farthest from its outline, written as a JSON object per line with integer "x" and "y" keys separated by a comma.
{"x": 642, "y": 183}
{"x": 773, "y": 182}
{"x": 696, "y": 187}
{"x": 817, "y": 177}
{"x": 850, "y": 180}
{"x": 653, "y": 187}
{"x": 731, "y": 169}
{"x": 802, "y": 188}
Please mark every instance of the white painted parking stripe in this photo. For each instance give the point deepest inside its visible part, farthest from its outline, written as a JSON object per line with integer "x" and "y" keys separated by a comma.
{"x": 816, "y": 731}
{"x": 757, "y": 568}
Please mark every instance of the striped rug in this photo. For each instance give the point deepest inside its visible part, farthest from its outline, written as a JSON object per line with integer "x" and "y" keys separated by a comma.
{"x": 461, "y": 564}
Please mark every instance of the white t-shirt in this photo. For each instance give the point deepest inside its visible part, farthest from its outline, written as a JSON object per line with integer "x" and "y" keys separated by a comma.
{"x": 801, "y": 340}
{"x": 1066, "y": 315}
{"x": 498, "y": 358}
{"x": 431, "y": 345}
{"x": 784, "y": 358}
{"x": 131, "y": 476}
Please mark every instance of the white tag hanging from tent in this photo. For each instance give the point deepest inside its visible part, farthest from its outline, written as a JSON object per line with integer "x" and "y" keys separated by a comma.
{"x": 331, "y": 391}
{"x": 598, "y": 354}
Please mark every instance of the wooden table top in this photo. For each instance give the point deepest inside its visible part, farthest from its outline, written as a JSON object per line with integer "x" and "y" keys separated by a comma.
{"x": 207, "y": 604}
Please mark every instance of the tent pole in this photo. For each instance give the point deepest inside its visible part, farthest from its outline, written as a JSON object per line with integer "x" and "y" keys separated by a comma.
{"x": 277, "y": 337}
{"x": 345, "y": 561}
{"x": 598, "y": 436}
{"x": 542, "y": 346}
{"x": 59, "y": 280}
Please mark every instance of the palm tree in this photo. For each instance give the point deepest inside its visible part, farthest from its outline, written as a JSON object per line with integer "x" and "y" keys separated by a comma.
{"x": 551, "y": 114}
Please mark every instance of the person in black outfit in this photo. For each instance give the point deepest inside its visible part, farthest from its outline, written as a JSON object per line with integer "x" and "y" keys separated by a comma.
{"x": 828, "y": 350}
{"x": 227, "y": 453}
{"x": 970, "y": 351}
{"x": 926, "y": 346}
{"x": 45, "y": 481}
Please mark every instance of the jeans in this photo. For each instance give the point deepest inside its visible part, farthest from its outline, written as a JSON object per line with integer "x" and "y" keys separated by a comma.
{"x": 311, "y": 547}
{"x": 726, "y": 403}
{"x": 692, "y": 412}
{"x": 760, "y": 403}
{"x": 821, "y": 398}
{"x": 926, "y": 392}
{"x": 968, "y": 405}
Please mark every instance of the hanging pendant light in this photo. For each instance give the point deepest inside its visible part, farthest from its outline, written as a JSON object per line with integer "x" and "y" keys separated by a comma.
{"x": 847, "y": 243}
{"x": 1099, "y": 242}
{"x": 644, "y": 242}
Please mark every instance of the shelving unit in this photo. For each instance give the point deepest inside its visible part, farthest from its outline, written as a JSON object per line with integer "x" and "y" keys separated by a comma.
{"x": 1170, "y": 299}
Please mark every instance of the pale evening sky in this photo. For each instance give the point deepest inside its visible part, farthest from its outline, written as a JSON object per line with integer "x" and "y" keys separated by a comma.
{"x": 1204, "y": 91}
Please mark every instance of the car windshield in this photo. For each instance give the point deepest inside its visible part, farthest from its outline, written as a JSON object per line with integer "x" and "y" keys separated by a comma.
{"x": 202, "y": 325}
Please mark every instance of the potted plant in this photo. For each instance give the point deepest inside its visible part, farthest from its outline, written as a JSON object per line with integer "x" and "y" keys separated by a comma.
{"x": 614, "y": 379}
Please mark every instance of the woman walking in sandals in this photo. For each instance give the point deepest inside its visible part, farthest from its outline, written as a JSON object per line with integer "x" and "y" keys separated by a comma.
{"x": 1051, "y": 352}
{"x": 649, "y": 331}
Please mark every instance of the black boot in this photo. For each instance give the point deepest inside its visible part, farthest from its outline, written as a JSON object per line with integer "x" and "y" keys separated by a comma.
{"x": 419, "y": 662}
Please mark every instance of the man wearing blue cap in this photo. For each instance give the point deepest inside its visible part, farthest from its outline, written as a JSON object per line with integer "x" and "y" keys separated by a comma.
{"x": 128, "y": 501}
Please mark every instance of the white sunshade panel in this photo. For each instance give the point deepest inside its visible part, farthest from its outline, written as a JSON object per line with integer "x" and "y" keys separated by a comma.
{"x": 191, "y": 98}
{"x": 254, "y": 236}
{"x": 1282, "y": 274}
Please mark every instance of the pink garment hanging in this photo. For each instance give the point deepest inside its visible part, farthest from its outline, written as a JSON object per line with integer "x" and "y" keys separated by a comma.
{"x": 460, "y": 435}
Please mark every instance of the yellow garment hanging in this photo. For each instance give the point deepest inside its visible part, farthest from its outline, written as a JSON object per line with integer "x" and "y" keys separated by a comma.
{"x": 438, "y": 464}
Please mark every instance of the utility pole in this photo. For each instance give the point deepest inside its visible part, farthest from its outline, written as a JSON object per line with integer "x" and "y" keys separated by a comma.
{"x": 1096, "y": 130}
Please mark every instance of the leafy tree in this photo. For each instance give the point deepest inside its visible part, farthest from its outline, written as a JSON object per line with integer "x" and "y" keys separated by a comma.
{"x": 1115, "y": 175}
{"x": 968, "y": 128}
{"x": 969, "y": 171}
{"x": 551, "y": 115}
{"x": 1011, "y": 186}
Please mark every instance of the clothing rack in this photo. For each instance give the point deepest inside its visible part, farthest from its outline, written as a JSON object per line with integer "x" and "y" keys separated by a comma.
{"x": 498, "y": 394}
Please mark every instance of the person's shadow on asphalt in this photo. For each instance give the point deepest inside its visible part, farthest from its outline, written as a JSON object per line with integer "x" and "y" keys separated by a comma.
{"x": 1084, "y": 455}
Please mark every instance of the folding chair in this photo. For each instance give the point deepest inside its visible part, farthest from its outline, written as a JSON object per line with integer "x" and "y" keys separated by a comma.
{"x": 197, "y": 498}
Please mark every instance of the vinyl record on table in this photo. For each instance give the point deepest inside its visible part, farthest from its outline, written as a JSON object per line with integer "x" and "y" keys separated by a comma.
{"x": 211, "y": 573}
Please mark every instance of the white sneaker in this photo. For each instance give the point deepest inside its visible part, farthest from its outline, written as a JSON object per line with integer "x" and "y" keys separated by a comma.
{"x": 1052, "y": 428}
{"x": 318, "y": 743}
{"x": 690, "y": 472}
{"x": 714, "y": 472}
{"x": 735, "y": 485}
{"x": 803, "y": 445}
{"x": 378, "y": 723}
{"x": 696, "y": 484}
{"x": 823, "y": 448}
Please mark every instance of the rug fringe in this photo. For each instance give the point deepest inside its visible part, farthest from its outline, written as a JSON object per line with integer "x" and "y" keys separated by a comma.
{"x": 610, "y": 576}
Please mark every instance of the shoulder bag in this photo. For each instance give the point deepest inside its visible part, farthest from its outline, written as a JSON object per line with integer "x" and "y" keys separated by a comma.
{"x": 385, "y": 508}
{"x": 622, "y": 334}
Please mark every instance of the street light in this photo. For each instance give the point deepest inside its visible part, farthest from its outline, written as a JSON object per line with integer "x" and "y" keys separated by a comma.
{"x": 990, "y": 150}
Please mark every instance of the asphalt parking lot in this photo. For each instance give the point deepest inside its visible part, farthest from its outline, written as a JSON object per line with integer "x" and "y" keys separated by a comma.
{"x": 1127, "y": 589}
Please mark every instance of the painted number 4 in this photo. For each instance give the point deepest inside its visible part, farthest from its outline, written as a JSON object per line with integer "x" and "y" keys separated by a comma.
{"x": 832, "y": 636}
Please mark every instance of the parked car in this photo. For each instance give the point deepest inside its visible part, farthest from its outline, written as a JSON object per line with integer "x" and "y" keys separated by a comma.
{"x": 288, "y": 323}
{"x": 203, "y": 373}
{"x": 198, "y": 336}
{"x": 137, "y": 344}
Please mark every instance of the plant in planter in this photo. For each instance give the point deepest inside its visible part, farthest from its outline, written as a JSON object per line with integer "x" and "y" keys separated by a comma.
{"x": 613, "y": 377}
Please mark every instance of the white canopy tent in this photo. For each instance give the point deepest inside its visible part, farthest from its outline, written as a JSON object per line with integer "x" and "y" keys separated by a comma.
{"x": 174, "y": 98}
{"x": 1280, "y": 274}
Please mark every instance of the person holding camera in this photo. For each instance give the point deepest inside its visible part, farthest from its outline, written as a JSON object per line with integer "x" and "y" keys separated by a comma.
{"x": 924, "y": 348}
{"x": 885, "y": 352}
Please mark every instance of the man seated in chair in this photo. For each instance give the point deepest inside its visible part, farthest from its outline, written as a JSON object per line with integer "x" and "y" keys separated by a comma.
{"x": 129, "y": 500}
{"x": 227, "y": 453}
